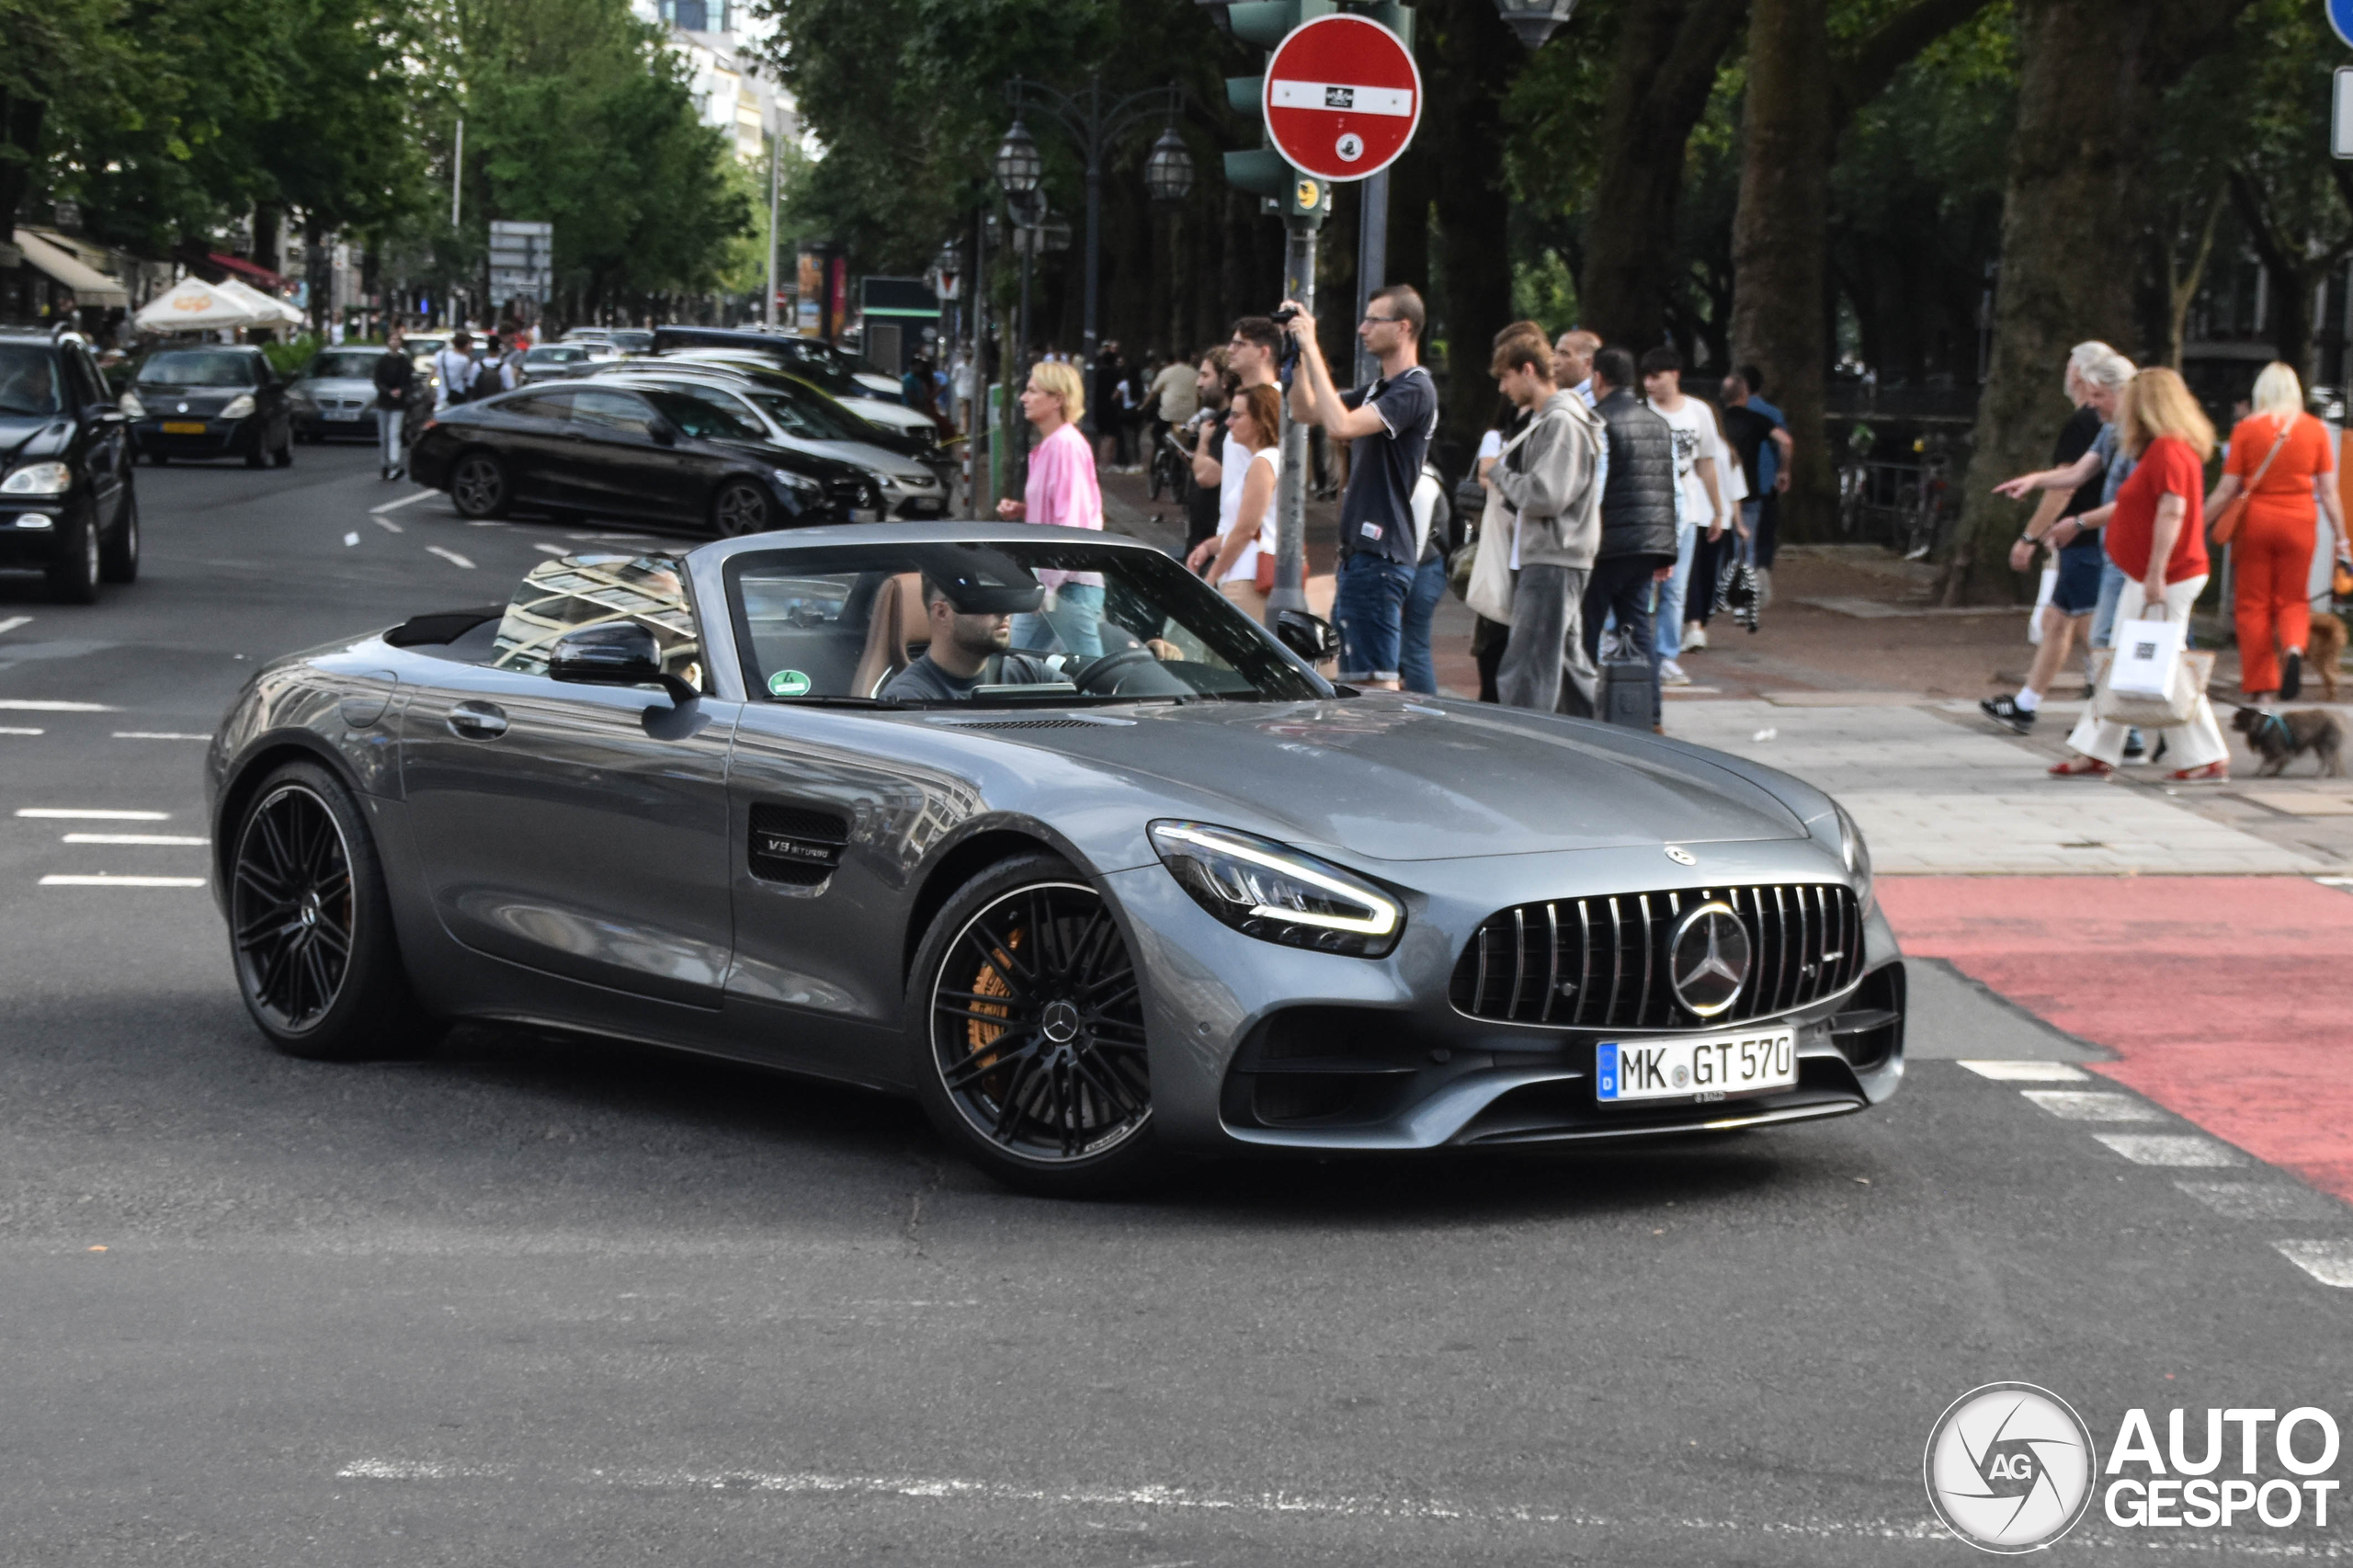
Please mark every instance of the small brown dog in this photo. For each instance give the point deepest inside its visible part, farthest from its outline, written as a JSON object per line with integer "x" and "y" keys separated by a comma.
{"x": 2322, "y": 649}
{"x": 2279, "y": 738}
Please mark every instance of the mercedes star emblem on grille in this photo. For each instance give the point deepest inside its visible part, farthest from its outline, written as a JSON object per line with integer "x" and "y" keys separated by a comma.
{"x": 1707, "y": 960}
{"x": 1680, "y": 856}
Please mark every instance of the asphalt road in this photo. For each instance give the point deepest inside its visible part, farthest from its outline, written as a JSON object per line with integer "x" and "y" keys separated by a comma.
{"x": 525, "y": 1301}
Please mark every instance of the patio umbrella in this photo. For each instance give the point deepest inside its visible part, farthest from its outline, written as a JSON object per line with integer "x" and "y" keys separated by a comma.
{"x": 194, "y": 305}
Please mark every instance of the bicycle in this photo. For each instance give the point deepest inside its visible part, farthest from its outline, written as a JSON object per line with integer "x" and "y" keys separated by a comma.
{"x": 1171, "y": 468}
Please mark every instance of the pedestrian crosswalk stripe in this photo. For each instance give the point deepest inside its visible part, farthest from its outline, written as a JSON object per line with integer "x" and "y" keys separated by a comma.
{"x": 130, "y": 839}
{"x": 29, "y": 705}
{"x": 409, "y": 500}
{"x": 14, "y": 729}
{"x": 104, "y": 880}
{"x": 2264, "y": 1200}
{"x": 77, "y": 813}
{"x": 2077, "y": 1105}
{"x": 2179, "y": 1150}
{"x": 158, "y": 735}
{"x": 451, "y": 556}
{"x": 2028, "y": 1072}
{"x": 14, "y": 622}
{"x": 2330, "y": 1262}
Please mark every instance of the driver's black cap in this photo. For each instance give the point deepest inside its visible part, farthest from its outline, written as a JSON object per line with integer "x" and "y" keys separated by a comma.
{"x": 978, "y": 580}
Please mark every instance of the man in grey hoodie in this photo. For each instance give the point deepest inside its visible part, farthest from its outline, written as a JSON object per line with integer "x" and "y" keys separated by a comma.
{"x": 1547, "y": 476}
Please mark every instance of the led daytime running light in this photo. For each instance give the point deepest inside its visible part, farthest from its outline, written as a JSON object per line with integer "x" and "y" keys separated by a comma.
{"x": 1206, "y": 861}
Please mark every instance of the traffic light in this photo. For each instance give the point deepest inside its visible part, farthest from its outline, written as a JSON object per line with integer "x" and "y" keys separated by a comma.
{"x": 1267, "y": 23}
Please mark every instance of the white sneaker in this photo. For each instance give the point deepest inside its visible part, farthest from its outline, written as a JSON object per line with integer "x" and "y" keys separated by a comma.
{"x": 1671, "y": 674}
{"x": 1694, "y": 636}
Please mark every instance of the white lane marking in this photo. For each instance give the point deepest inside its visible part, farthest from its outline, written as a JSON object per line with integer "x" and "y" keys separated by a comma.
{"x": 2077, "y": 1105}
{"x": 27, "y": 705}
{"x": 2178, "y": 1150}
{"x": 75, "y": 813}
{"x": 2330, "y": 1262}
{"x": 552, "y": 548}
{"x": 387, "y": 524}
{"x": 130, "y": 839}
{"x": 2028, "y": 1072}
{"x": 14, "y": 622}
{"x": 451, "y": 556}
{"x": 157, "y": 735}
{"x": 106, "y": 881}
{"x": 2263, "y": 1200}
{"x": 351, "y": 538}
{"x": 12, "y": 730}
{"x": 410, "y": 500}
{"x": 482, "y": 522}
{"x": 411, "y": 1469}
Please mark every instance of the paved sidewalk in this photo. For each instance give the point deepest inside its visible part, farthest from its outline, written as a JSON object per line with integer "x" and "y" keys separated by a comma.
{"x": 1937, "y": 790}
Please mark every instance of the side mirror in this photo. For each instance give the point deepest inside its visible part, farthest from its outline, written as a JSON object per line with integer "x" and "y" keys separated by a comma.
{"x": 1312, "y": 637}
{"x": 664, "y": 434}
{"x": 620, "y": 654}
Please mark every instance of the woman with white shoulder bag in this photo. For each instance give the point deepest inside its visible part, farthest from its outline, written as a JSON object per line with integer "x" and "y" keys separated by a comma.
{"x": 2156, "y": 535}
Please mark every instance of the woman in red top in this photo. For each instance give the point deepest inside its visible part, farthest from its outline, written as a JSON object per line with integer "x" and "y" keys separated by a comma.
{"x": 2157, "y": 538}
{"x": 2272, "y": 550}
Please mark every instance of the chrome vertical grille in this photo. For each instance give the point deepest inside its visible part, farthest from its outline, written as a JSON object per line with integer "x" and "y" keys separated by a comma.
{"x": 1603, "y": 962}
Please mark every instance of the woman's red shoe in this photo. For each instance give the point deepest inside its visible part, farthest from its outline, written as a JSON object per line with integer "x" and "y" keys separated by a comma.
{"x": 2081, "y": 767}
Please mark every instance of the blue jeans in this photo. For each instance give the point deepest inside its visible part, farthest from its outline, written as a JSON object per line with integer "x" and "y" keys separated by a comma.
{"x": 1370, "y": 604}
{"x": 1421, "y": 613}
{"x": 1077, "y": 620}
{"x": 1672, "y": 593}
{"x": 388, "y": 432}
{"x": 2111, "y": 588}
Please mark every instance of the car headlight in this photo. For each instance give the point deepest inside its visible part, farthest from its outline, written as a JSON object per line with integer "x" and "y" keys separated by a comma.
{"x": 1856, "y": 854}
{"x": 1274, "y": 892}
{"x": 885, "y": 482}
{"x": 800, "y": 484}
{"x": 128, "y": 402}
{"x": 39, "y": 479}
{"x": 239, "y": 407}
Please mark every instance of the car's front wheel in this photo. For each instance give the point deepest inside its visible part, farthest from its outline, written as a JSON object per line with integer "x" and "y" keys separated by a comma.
{"x": 741, "y": 507}
{"x": 311, "y": 924}
{"x": 478, "y": 486}
{"x": 118, "y": 557}
{"x": 1029, "y": 1006}
{"x": 74, "y": 571}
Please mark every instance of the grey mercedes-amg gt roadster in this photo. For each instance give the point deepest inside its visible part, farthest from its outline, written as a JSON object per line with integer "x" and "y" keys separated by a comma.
{"x": 1037, "y": 828}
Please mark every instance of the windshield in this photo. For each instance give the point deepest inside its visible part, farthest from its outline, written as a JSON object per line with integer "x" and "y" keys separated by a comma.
{"x": 352, "y": 365}
{"x": 199, "y": 368}
{"x": 28, "y": 381}
{"x": 996, "y": 625}
{"x": 632, "y": 342}
{"x": 808, "y": 418}
{"x": 555, "y": 355}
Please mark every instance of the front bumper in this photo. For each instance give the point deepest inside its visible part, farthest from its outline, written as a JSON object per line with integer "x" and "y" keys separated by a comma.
{"x": 31, "y": 528}
{"x": 191, "y": 437}
{"x": 359, "y": 425}
{"x": 1259, "y": 1045}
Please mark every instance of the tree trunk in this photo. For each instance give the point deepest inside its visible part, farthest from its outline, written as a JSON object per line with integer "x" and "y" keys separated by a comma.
{"x": 1468, "y": 59}
{"x": 1780, "y": 318}
{"x": 266, "y": 227}
{"x": 1664, "y": 69}
{"x": 20, "y": 121}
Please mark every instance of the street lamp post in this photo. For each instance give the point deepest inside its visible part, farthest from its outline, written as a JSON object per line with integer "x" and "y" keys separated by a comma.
{"x": 1094, "y": 124}
{"x": 1019, "y": 170}
{"x": 1534, "y": 20}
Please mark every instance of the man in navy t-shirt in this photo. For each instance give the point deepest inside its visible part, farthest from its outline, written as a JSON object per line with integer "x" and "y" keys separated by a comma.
{"x": 1389, "y": 423}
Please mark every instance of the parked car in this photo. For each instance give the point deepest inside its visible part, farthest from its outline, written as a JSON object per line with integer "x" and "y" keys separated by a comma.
{"x": 69, "y": 506}
{"x": 335, "y": 395}
{"x": 545, "y": 360}
{"x": 842, "y": 374}
{"x": 219, "y": 401}
{"x": 585, "y": 449}
{"x": 901, "y": 487}
{"x": 893, "y": 417}
{"x": 1148, "y": 885}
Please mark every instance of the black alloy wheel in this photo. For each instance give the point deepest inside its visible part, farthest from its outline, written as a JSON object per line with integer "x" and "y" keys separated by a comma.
{"x": 741, "y": 507}
{"x": 1033, "y": 1014}
{"x": 311, "y": 926}
{"x": 118, "y": 557}
{"x": 478, "y": 485}
{"x": 75, "y": 572}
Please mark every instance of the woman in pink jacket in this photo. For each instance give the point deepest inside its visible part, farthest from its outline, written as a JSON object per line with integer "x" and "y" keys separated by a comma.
{"x": 1061, "y": 491}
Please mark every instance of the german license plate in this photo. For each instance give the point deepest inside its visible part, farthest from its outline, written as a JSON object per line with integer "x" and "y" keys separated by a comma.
{"x": 343, "y": 414}
{"x": 183, "y": 427}
{"x": 1703, "y": 1069}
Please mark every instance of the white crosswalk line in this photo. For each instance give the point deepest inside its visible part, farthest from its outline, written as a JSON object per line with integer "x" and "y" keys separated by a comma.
{"x": 29, "y": 705}
{"x": 158, "y": 735}
{"x": 2330, "y": 1262}
{"x": 387, "y": 524}
{"x": 2077, "y": 1105}
{"x": 14, "y": 729}
{"x": 451, "y": 556}
{"x": 104, "y": 880}
{"x": 552, "y": 548}
{"x": 130, "y": 839}
{"x": 2179, "y": 1150}
{"x": 14, "y": 622}
{"x": 409, "y": 500}
{"x": 2028, "y": 1072}
{"x": 79, "y": 813}
{"x": 2264, "y": 1200}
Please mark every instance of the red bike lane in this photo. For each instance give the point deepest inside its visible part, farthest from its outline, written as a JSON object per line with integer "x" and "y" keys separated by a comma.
{"x": 2223, "y": 997}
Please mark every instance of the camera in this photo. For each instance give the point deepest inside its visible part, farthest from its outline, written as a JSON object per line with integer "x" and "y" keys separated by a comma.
{"x": 1284, "y": 314}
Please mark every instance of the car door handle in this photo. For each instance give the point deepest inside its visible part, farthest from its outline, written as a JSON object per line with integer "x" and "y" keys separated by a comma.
{"x": 478, "y": 720}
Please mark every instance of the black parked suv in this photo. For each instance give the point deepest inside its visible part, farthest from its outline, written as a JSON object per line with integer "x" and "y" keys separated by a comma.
{"x": 67, "y": 505}
{"x": 210, "y": 400}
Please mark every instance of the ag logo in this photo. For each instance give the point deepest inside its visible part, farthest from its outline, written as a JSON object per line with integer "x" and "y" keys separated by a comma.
{"x": 2009, "y": 1468}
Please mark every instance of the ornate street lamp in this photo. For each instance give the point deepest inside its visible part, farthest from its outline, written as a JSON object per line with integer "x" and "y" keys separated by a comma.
{"x": 1534, "y": 20}
{"x": 1168, "y": 172}
{"x": 1018, "y": 166}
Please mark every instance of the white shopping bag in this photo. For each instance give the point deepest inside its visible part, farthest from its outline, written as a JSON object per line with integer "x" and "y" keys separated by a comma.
{"x": 2148, "y": 657}
{"x": 2034, "y": 616}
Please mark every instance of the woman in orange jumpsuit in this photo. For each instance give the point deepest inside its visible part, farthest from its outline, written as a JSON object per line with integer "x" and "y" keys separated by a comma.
{"x": 2271, "y": 554}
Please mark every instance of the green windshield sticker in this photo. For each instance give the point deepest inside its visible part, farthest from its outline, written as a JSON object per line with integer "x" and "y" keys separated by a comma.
{"x": 788, "y": 683}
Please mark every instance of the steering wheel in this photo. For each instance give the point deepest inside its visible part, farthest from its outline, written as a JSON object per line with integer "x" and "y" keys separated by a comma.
{"x": 1085, "y": 680}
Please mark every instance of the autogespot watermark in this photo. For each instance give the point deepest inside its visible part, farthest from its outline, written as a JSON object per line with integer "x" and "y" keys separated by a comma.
{"x": 2011, "y": 1468}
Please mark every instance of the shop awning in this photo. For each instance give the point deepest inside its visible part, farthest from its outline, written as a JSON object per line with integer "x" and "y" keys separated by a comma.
{"x": 90, "y": 286}
{"x": 238, "y": 266}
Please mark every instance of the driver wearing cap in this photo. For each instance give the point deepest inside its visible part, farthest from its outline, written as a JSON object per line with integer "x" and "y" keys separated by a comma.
{"x": 972, "y": 632}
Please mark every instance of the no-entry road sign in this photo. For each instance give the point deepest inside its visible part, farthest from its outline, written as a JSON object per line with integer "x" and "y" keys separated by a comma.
{"x": 1343, "y": 97}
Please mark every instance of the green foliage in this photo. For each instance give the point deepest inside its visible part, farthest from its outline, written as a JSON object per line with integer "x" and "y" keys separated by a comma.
{"x": 1544, "y": 289}
{"x": 289, "y": 358}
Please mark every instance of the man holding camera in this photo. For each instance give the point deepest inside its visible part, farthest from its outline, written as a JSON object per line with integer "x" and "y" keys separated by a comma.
{"x": 1391, "y": 419}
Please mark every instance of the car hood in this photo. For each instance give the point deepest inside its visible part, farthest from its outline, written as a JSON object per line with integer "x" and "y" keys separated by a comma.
{"x": 32, "y": 436}
{"x": 894, "y": 415}
{"x": 877, "y": 460}
{"x": 1429, "y": 781}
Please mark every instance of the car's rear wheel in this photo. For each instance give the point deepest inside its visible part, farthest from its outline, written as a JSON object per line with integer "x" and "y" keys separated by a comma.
{"x": 311, "y": 926}
{"x": 741, "y": 507}
{"x": 1029, "y": 1006}
{"x": 478, "y": 486}
{"x": 118, "y": 557}
{"x": 74, "y": 573}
